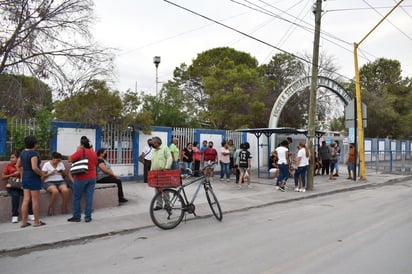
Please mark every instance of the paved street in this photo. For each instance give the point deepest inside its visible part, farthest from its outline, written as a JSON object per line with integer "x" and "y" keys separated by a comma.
{"x": 134, "y": 215}
{"x": 363, "y": 231}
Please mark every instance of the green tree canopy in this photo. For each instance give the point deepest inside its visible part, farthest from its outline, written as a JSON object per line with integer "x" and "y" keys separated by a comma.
{"x": 222, "y": 88}
{"x": 388, "y": 97}
{"x": 97, "y": 105}
{"x": 22, "y": 96}
{"x": 169, "y": 108}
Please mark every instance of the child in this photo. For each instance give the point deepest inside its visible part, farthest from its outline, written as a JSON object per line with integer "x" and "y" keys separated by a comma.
{"x": 244, "y": 165}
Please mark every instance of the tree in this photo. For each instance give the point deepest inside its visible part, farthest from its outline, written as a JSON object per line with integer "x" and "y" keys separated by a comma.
{"x": 388, "y": 97}
{"x": 97, "y": 105}
{"x": 134, "y": 114}
{"x": 222, "y": 88}
{"x": 169, "y": 108}
{"x": 51, "y": 40}
{"x": 22, "y": 96}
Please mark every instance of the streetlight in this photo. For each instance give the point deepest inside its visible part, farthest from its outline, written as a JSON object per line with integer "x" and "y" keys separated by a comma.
{"x": 156, "y": 61}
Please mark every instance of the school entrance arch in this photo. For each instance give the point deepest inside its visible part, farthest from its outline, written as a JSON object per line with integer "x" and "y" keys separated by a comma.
{"x": 297, "y": 87}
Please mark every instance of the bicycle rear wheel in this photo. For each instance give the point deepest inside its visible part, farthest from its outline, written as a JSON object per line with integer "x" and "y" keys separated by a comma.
{"x": 213, "y": 202}
{"x": 167, "y": 209}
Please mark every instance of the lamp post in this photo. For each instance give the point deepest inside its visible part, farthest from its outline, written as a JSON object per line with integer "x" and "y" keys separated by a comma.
{"x": 156, "y": 61}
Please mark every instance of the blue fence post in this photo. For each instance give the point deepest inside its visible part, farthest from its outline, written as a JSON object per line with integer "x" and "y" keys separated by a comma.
{"x": 136, "y": 153}
{"x": 3, "y": 136}
{"x": 390, "y": 160}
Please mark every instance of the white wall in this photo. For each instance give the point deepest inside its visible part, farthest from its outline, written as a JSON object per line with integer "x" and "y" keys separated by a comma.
{"x": 68, "y": 139}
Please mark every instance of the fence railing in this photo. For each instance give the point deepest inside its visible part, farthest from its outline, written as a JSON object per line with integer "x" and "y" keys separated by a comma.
{"x": 391, "y": 161}
{"x": 382, "y": 155}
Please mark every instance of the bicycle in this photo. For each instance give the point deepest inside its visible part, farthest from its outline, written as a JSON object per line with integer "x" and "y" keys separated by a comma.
{"x": 169, "y": 206}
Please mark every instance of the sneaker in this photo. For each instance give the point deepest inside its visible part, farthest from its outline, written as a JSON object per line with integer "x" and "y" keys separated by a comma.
{"x": 277, "y": 187}
{"x": 282, "y": 189}
{"x": 15, "y": 219}
{"x": 87, "y": 220}
{"x": 285, "y": 187}
{"x": 30, "y": 217}
{"x": 222, "y": 179}
{"x": 240, "y": 186}
{"x": 227, "y": 180}
{"x": 297, "y": 189}
{"x": 123, "y": 200}
{"x": 249, "y": 186}
{"x": 302, "y": 190}
{"x": 73, "y": 219}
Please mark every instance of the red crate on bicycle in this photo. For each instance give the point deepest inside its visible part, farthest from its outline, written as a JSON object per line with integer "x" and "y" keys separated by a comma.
{"x": 164, "y": 178}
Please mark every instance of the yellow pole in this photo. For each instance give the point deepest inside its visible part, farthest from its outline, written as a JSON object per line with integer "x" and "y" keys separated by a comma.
{"x": 359, "y": 117}
{"x": 359, "y": 101}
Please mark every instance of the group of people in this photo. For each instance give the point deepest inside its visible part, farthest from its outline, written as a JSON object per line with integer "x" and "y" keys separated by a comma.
{"x": 330, "y": 156}
{"x": 281, "y": 165}
{"x": 232, "y": 160}
{"x": 326, "y": 161}
{"x": 55, "y": 179}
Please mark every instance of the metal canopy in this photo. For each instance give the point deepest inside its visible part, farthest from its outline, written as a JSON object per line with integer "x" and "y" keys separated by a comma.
{"x": 279, "y": 130}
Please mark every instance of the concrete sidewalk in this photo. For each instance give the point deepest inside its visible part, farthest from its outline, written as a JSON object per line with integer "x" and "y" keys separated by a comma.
{"x": 134, "y": 215}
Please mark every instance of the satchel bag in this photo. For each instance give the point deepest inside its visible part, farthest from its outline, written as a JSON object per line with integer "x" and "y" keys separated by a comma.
{"x": 81, "y": 166}
{"x": 142, "y": 156}
{"x": 14, "y": 182}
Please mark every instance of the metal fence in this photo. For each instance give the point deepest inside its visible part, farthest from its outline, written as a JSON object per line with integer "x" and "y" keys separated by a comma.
{"x": 382, "y": 155}
{"x": 118, "y": 142}
{"x": 17, "y": 129}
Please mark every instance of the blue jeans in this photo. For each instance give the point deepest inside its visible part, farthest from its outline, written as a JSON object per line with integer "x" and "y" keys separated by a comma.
{"x": 187, "y": 165}
{"x": 86, "y": 186}
{"x": 301, "y": 171}
{"x": 15, "y": 201}
{"x": 283, "y": 173}
{"x": 175, "y": 165}
{"x": 224, "y": 169}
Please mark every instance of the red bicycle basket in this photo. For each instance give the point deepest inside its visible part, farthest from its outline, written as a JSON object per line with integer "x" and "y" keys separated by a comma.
{"x": 164, "y": 178}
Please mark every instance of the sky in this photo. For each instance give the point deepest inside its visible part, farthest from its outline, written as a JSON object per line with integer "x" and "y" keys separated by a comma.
{"x": 142, "y": 29}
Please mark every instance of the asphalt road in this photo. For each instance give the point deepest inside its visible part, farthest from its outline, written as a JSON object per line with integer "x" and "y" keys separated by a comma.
{"x": 362, "y": 231}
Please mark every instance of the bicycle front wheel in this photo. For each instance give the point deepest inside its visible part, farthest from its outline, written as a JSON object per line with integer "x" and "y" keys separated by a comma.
{"x": 167, "y": 209}
{"x": 213, "y": 202}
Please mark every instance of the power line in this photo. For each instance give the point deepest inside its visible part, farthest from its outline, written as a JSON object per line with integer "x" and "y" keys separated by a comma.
{"x": 355, "y": 9}
{"x": 396, "y": 27}
{"x": 252, "y": 37}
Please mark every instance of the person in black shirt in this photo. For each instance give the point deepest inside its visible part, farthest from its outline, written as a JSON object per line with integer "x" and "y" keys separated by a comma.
{"x": 244, "y": 165}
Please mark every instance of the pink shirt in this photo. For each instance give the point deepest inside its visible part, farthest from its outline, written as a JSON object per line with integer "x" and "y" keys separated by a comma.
{"x": 225, "y": 158}
{"x": 196, "y": 154}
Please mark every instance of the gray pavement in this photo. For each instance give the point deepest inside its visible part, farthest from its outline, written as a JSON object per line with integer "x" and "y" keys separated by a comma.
{"x": 134, "y": 215}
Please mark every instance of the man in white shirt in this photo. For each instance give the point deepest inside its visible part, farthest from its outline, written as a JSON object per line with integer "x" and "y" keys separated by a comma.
{"x": 147, "y": 154}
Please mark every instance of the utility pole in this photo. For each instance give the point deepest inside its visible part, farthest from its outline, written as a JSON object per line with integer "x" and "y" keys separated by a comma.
{"x": 317, "y": 10}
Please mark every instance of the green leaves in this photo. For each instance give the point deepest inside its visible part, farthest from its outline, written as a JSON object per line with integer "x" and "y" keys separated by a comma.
{"x": 389, "y": 99}
{"x": 219, "y": 88}
{"x": 97, "y": 105}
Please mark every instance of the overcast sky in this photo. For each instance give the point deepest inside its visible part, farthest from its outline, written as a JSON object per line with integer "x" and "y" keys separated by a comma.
{"x": 142, "y": 29}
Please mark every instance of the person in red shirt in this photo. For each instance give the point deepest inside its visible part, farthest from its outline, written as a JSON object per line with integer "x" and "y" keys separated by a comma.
{"x": 84, "y": 182}
{"x": 210, "y": 159}
{"x": 9, "y": 171}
